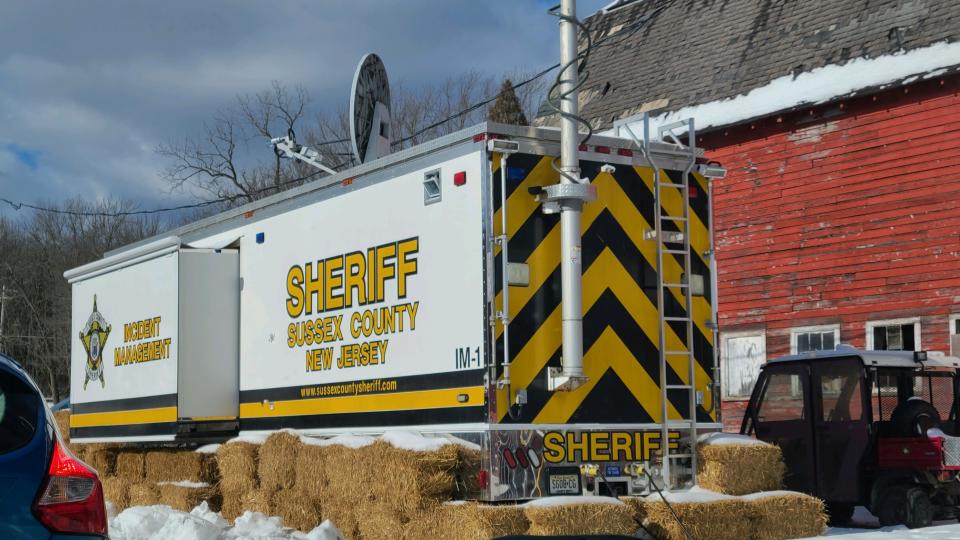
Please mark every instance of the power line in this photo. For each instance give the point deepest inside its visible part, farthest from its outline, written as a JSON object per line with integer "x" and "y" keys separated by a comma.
{"x": 632, "y": 29}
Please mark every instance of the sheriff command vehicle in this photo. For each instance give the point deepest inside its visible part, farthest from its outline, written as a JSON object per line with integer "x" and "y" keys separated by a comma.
{"x": 373, "y": 299}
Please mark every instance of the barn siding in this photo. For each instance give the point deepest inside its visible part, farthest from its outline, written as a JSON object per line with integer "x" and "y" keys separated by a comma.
{"x": 841, "y": 214}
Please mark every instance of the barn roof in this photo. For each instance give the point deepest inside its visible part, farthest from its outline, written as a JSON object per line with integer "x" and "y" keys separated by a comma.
{"x": 666, "y": 55}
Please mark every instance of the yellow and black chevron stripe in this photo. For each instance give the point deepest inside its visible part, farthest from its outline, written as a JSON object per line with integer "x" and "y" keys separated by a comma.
{"x": 619, "y": 298}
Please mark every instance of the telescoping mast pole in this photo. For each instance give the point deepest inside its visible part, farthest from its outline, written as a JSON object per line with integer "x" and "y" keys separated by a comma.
{"x": 569, "y": 195}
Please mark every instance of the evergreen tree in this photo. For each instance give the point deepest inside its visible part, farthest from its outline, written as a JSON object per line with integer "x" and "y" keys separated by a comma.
{"x": 507, "y": 109}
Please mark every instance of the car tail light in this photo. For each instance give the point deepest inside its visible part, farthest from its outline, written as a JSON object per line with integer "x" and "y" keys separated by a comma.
{"x": 71, "y": 500}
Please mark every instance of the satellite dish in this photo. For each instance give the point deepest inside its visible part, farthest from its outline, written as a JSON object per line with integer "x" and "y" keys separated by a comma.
{"x": 370, "y": 110}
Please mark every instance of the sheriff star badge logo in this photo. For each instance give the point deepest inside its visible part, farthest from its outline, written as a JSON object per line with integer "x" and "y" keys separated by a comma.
{"x": 94, "y": 337}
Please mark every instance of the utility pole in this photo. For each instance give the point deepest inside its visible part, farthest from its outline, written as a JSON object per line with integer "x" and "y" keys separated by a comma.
{"x": 3, "y": 309}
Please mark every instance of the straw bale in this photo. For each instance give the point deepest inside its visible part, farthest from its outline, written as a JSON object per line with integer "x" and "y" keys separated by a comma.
{"x": 116, "y": 490}
{"x": 583, "y": 518}
{"x": 277, "y": 463}
{"x": 787, "y": 515}
{"x": 737, "y": 469}
{"x": 257, "y": 500}
{"x": 344, "y": 516}
{"x": 232, "y": 506}
{"x": 102, "y": 458}
{"x": 377, "y": 522}
{"x": 308, "y": 472}
{"x": 130, "y": 465}
{"x": 298, "y": 509}
{"x": 469, "y": 521}
{"x": 726, "y": 519}
{"x": 347, "y": 472}
{"x": 176, "y": 465}
{"x": 417, "y": 479}
{"x": 144, "y": 494}
{"x": 185, "y": 498}
{"x": 468, "y": 485}
{"x": 78, "y": 450}
{"x": 237, "y": 462}
{"x": 63, "y": 423}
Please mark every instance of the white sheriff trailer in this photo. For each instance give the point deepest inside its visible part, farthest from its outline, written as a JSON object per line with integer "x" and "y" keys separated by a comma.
{"x": 373, "y": 299}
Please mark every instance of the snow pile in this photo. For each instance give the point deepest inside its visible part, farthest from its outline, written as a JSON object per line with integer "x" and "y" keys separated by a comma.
{"x": 565, "y": 500}
{"x": 816, "y": 86}
{"x": 406, "y": 440}
{"x": 720, "y": 438}
{"x": 409, "y": 440}
{"x": 692, "y": 495}
{"x": 350, "y": 441}
{"x": 164, "y": 523}
{"x": 208, "y": 449}
{"x": 249, "y": 438}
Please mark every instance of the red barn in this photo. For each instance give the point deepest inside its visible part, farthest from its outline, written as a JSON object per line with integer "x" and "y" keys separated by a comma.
{"x": 839, "y": 126}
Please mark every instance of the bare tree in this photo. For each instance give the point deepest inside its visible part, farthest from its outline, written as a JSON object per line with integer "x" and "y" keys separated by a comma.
{"x": 221, "y": 163}
{"x": 231, "y": 162}
{"x": 33, "y": 256}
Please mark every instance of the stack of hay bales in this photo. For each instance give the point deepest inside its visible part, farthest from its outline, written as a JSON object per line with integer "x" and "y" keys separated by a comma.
{"x": 462, "y": 520}
{"x": 555, "y": 516}
{"x": 179, "y": 478}
{"x": 237, "y": 461}
{"x": 738, "y": 497}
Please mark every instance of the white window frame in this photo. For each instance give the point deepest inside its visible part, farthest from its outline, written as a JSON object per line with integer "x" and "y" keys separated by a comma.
{"x": 953, "y": 332}
{"x": 724, "y": 336}
{"x": 795, "y": 332}
{"x": 915, "y": 321}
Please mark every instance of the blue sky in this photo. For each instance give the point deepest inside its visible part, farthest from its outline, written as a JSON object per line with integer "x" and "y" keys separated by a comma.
{"x": 88, "y": 90}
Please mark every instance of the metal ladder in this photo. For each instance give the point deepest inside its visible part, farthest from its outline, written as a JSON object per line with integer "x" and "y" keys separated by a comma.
{"x": 665, "y": 288}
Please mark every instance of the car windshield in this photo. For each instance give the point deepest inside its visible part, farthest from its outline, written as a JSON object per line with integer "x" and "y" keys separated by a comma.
{"x": 19, "y": 406}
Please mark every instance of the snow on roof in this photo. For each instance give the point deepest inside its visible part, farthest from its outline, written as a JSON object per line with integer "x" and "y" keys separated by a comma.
{"x": 810, "y": 88}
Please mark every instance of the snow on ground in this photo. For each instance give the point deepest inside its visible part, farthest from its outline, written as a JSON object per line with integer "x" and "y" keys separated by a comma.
{"x": 816, "y": 86}
{"x": 164, "y": 523}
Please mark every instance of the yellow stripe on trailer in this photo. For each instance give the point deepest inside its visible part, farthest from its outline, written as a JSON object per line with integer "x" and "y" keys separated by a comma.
{"x": 399, "y": 401}
{"x": 123, "y": 418}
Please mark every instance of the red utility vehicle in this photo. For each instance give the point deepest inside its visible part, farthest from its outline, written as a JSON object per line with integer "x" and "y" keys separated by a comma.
{"x": 872, "y": 428}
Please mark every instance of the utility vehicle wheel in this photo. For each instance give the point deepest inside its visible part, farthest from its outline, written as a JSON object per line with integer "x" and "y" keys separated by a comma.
{"x": 904, "y": 505}
{"x": 914, "y": 417}
{"x": 840, "y": 513}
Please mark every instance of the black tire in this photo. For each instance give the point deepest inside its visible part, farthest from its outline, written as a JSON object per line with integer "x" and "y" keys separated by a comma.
{"x": 905, "y": 505}
{"x": 840, "y": 514}
{"x": 913, "y": 418}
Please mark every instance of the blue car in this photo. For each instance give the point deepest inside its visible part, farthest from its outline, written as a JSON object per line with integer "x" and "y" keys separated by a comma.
{"x": 45, "y": 491}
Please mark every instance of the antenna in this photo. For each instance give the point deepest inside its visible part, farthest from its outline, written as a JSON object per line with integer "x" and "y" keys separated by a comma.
{"x": 370, "y": 110}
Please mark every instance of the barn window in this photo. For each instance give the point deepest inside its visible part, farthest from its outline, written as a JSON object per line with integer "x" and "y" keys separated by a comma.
{"x": 743, "y": 354}
{"x": 814, "y": 338}
{"x": 893, "y": 335}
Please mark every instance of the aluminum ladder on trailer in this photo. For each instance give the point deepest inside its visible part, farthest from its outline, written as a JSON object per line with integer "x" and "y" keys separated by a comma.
{"x": 666, "y": 241}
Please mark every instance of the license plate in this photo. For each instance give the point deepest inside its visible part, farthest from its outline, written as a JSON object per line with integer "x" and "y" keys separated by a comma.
{"x": 565, "y": 484}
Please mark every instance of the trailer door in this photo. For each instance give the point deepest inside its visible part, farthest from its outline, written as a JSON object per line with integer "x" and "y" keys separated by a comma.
{"x": 209, "y": 372}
